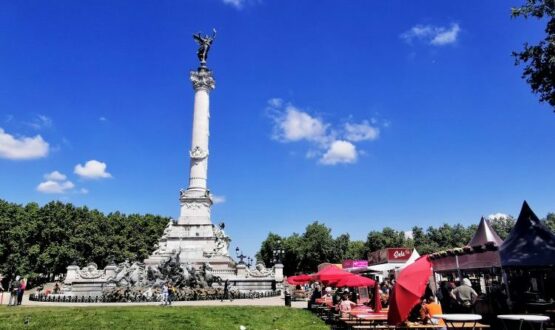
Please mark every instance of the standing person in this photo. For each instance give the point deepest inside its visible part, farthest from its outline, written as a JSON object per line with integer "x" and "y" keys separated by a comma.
{"x": 465, "y": 296}
{"x": 171, "y": 293}
{"x": 56, "y": 289}
{"x": 165, "y": 294}
{"x": 14, "y": 290}
{"x": 22, "y": 287}
{"x": 226, "y": 290}
{"x": 1, "y": 289}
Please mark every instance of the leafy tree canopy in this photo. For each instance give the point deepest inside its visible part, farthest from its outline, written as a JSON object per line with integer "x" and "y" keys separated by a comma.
{"x": 40, "y": 242}
{"x": 539, "y": 59}
{"x": 303, "y": 253}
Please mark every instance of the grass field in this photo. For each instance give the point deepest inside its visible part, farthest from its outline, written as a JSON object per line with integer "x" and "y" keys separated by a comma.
{"x": 155, "y": 317}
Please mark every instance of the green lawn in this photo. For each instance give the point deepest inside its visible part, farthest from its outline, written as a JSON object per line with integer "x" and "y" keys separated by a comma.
{"x": 155, "y": 317}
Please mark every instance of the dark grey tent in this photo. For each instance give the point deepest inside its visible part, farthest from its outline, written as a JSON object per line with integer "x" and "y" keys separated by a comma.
{"x": 484, "y": 235}
{"x": 529, "y": 244}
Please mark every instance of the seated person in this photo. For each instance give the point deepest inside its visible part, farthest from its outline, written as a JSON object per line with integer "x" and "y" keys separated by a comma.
{"x": 344, "y": 307}
{"x": 328, "y": 297}
{"x": 337, "y": 296}
{"x": 353, "y": 296}
{"x": 316, "y": 293}
{"x": 429, "y": 308}
{"x": 385, "y": 300}
{"x": 299, "y": 293}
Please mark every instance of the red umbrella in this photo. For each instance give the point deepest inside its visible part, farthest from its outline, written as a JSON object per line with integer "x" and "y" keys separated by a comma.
{"x": 377, "y": 299}
{"x": 410, "y": 286}
{"x": 355, "y": 281}
{"x": 330, "y": 273}
{"x": 299, "y": 279}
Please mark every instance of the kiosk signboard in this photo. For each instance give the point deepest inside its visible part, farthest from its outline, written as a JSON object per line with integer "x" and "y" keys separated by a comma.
{"x": 399, "y": 255}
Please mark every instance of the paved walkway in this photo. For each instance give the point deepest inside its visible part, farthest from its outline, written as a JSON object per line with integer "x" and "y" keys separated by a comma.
{"x": 272, "y": 301}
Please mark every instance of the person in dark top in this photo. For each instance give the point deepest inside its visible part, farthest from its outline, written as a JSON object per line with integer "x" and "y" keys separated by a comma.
{"x": 316, "y": 293}
{"x": 14, "y": 291}
{"x": 226, "y": 290}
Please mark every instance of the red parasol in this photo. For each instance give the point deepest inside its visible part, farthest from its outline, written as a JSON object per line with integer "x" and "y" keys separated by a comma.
{"x": 377, "y": 299}
{"x": 299, "y": 279}
{"x": 330, "y": 273}
{"x": 355, "y": 281}
{"x": 410, "y": 286}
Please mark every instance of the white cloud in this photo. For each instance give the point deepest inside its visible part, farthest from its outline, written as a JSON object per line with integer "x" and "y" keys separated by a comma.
{"x": 361, "y": 132}
{"x": 216, "y": 199}
{"x": 235, "y": 3}
{"x": 55, "y": 176}
{"x": 433, "y": 35}
{"x": 23, "y": 147}
{"x": 330, "y": 145}
{"x": 447, "y": 36}
{"x": 92, "y": 169}
{"x": 40, "y": 121}
{"x": 275, "y": 102}
{"x": 340, "y": 152}
{"x": 498, "y": 215}
{"x": 84, "y": 191}
{"x": 102, "y": 118}
{"x": 55, "y": 187}
{"x": 296, "y": 125}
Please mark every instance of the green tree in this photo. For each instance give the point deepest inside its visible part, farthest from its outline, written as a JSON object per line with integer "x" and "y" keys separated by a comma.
{"x": 448, "y": 237}
{"x": 388, "y": 237}
{"x": 341, "y": 247}
{"x": 356, "y": 251}
{"x": 550, "y": 221}
{"x": 422, "y": 243}
{"x": 43, "y": 241}
{"x": 539, "y": 59}
{"x": 265, "y": 254}
{"x": 292, "y": 260}
{"x": 502, "y": 225}
{"x": 317, "y": 247}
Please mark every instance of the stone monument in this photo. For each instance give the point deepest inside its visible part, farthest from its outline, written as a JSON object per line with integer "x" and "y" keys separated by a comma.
{"x": 191, "y": 249}
{"x": 194, "y": 237}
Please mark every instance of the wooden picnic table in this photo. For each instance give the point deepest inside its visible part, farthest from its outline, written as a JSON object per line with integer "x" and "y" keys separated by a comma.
{"x": 372, "y": 316}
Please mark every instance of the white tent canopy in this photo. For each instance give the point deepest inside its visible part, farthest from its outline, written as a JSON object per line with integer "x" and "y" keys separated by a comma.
{"x": 415, "y": 255}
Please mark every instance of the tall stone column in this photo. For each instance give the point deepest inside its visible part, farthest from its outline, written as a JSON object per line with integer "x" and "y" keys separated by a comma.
{"x": 196, "y": 200}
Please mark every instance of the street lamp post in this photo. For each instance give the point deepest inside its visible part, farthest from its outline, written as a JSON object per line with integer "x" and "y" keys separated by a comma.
{"x": 240, "y": 255}
{"x": 277, "y": 253}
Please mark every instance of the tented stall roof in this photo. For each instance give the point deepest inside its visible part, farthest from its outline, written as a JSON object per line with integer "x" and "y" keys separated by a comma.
{"x": 485, "y": 234}
{"x": 480, "y": 253}
{"x": 415, "y": 255}
{"x": 529, "y": 244}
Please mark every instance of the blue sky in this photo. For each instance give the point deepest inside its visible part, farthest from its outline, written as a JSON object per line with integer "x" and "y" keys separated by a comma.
{"x": 359, "y": 114}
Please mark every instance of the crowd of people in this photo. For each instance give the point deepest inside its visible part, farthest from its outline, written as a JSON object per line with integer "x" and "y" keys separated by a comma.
{"x": 449, "y": 298}
{"x": 342, "y": 298}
